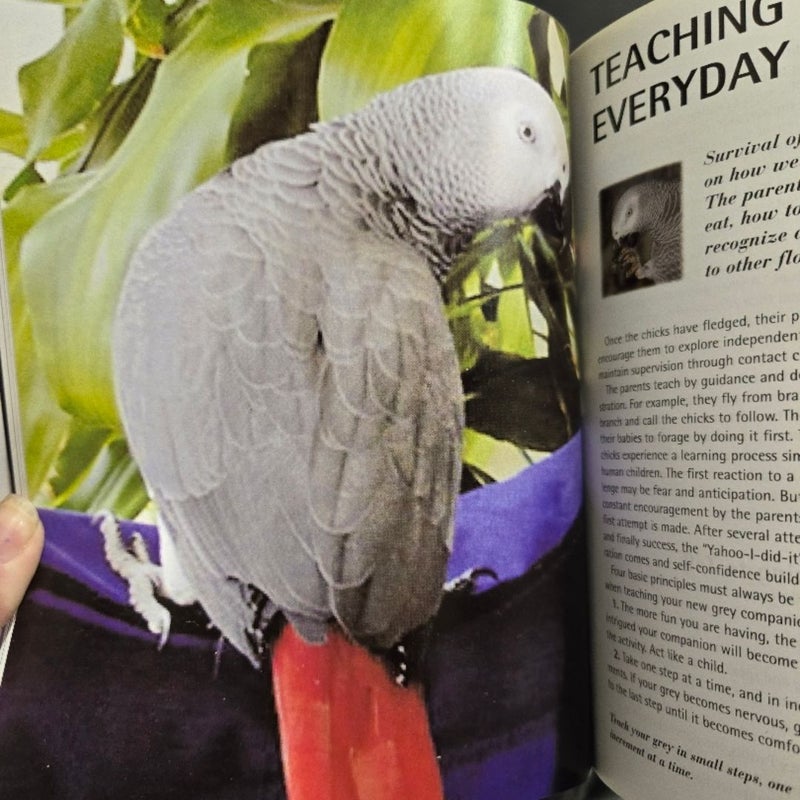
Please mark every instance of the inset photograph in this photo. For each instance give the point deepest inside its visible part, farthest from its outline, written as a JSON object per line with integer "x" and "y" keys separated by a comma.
{"x": 642, "y": 230}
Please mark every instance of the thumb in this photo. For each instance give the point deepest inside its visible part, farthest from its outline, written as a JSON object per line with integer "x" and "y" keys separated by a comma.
{"x": 21, "y": 542}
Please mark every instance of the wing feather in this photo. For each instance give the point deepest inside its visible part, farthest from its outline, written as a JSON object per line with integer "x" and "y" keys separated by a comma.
{"x": 291, "y": 394}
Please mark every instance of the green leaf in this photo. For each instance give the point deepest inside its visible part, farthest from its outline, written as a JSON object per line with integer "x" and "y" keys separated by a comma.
{"x": 75, "y": 460}
{"x": 14, "y": 139}
{"x": 63, "y": 87}
{"x": 376, "y": 45}
{"x": 28, "y": 177}
{"x": 493, "y": 458}
{"x": 147, "y": 26}
{"x": 108, "y": 478}
{"x": 516, "y": 400}
{"x": 74, "y": 259}
{"x": 13, "y": 136}
{"x": 44, "y": 424}
{"x": 514, "y": 330}
{"x": 108, "y": 127}
{"x": 279, "y": 97}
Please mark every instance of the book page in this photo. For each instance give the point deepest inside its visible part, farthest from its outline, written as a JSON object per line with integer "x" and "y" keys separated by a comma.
{"x": 18, "y": 43}
{"x": 685, "y": 121}
{"x": 12, "y": 459}
{"x": 325, "y": 443}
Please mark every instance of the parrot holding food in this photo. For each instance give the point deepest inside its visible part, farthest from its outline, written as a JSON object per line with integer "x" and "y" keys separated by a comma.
{"x": 290, "y": 391}
{"x": 651, "y": 209}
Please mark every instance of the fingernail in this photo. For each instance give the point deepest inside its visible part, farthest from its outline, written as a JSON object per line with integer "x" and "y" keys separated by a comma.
{"x": 17, "y": 514}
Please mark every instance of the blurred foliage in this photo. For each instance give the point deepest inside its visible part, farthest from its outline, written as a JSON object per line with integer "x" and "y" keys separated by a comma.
{"x": 511, "y": 300}
{"x": 141, "y": 100}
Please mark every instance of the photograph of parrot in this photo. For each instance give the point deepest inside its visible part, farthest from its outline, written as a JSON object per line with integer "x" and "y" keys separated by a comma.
{"x": 289, "y": 388}
{"x": 650, "y": 210}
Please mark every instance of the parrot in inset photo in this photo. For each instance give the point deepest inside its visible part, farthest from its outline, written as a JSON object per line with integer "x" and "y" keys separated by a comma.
{"x": 651, "y": 209}
{"x": 291, "y": 393}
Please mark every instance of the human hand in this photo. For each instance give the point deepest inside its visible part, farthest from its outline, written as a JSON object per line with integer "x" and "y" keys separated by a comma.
{"x": 21, "y": 542}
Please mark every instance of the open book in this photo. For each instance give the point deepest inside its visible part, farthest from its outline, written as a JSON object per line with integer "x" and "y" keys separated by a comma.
{"x": 623, "y": 575}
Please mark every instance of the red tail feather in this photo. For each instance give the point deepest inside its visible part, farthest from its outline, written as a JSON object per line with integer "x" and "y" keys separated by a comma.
{"x": 347, "y": 731}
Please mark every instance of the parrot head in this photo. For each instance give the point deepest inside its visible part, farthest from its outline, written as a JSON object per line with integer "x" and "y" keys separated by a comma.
{"x": 467, "y": 148}
{"x": 626, "y": 219}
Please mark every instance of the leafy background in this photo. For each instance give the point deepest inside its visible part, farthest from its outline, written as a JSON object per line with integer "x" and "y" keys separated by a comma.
{"x": 141, "y": 100}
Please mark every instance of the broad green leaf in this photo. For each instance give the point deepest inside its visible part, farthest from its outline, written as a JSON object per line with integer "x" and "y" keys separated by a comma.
{"x": 279, "y": 97}
{"x": 376, "y": 45}
{"x": 75, "y": 461}
{"x": 495, "y": 458}
{"x": 14, "y": 138}
{"x": 75, "y": 258}
{"x": 110, "y": 479}
{"x": 44, "y": 425}
{"x": 63, "y": 87}
{"x": 29, "y": 176}
{"x": 108, "y": 127}
{"x": 513, "y": 325}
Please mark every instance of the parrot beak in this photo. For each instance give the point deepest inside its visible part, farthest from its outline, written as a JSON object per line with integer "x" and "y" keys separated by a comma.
{"x": 550, "y": 213}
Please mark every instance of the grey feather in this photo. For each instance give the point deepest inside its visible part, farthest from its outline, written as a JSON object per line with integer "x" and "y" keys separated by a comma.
{"x": 653, "y": 209}
{"x": 285, "y": 374}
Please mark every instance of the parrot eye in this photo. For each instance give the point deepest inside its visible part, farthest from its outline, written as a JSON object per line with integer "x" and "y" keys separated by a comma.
{"x": 527, "y": 132}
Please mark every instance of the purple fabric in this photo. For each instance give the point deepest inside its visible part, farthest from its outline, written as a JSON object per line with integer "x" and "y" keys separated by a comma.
{"x": 505, "y": 651}
{"x": 111, "y": 623}
{"x": 505, "y": 526}
{"x": 74, "y": 547}
{"x": 509, "y": 526}
{"x": 518, "y": 770}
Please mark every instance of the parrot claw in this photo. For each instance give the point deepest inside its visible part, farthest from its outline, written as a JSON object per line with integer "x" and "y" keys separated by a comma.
{"x": 143, "y": 577}
{"x": 468, "y": 581}
{"x": 139, "y": 549}
{"x": 398, "y": 663}
{"x": 158, "y": 619}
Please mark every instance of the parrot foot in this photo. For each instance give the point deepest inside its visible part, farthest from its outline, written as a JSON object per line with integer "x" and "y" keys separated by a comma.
{"x": 644, "y": 270}
{"x": 629, "y": 262}
{"x": 143, "y": 577}
{"x": 468, "y": 581}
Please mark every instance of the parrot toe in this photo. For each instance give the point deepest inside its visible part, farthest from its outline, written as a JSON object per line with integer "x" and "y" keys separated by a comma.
{"x": 468, "y": 581}
{"x": 143, "y": 576}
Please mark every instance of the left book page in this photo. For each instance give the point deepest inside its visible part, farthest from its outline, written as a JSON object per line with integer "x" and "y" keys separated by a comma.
{"x": 12, "y": 458}
{"x": 244, "y": 412}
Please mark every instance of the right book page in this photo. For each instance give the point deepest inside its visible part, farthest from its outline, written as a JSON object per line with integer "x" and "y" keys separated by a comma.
{"x": 686, "y": 126}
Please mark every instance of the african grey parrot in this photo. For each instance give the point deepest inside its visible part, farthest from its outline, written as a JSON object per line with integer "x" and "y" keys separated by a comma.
{"x": 652, "y": 209}
{"x": 284, "y": 370}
